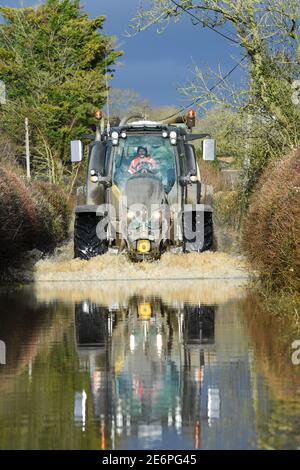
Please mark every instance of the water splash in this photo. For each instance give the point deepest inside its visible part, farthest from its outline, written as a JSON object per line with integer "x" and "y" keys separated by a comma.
{"x": 207, "y": 265}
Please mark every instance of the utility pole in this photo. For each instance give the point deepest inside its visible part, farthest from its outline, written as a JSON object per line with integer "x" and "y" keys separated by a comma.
{"x": 27, "y": 151}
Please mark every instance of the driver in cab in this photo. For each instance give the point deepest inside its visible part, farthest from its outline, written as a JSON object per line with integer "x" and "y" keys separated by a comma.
{"x": 142, "y": 162}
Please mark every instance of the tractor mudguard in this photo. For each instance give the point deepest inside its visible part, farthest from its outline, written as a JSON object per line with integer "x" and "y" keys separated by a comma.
{"x": 89, "y": 209}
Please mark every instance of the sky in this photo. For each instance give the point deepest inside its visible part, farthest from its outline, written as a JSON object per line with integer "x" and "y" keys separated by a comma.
{"x": 155, "y": 64}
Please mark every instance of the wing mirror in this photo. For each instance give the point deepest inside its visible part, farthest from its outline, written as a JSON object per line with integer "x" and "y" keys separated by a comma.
{"x": 76, "y": 151}
{"x": 209, "y": 149}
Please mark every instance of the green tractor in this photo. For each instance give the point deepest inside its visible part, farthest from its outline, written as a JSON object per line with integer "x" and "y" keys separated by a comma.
{"x": 143, "y": 190}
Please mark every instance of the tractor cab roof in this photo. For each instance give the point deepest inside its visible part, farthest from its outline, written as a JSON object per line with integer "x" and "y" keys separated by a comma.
{"x": 150, "y": 126}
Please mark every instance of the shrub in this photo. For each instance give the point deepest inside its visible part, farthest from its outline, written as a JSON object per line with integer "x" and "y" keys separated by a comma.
{"x": 17, "y": 213}
{"x": 53, "y": 212}
{"x": 271, "y": 234}
{"x": 211, "y": 174}
{"x": 226, "y": 208}
{"x": 34, "y": 215}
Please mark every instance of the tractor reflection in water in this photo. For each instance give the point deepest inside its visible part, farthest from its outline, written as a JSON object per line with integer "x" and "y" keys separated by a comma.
{"x": 146, "y": 362}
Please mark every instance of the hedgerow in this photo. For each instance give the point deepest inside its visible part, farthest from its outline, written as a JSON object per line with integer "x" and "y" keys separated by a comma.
{"x": 32, "y": 215}
{"x": 271, "y": 234}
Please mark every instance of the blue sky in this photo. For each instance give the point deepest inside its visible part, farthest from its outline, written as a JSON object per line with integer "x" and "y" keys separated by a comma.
{"x": 154, "y": 64}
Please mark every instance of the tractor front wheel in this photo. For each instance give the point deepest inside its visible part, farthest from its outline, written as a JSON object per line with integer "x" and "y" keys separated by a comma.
{"x": 86, "y": 241}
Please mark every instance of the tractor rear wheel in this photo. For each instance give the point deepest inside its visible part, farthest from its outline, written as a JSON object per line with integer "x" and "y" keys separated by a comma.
{"x": 86, "y": 241}
{"x": 208, "y": 231}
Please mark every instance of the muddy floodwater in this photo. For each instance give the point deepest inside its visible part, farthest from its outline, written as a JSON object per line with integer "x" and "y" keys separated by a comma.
{"x": 167, "y": 364}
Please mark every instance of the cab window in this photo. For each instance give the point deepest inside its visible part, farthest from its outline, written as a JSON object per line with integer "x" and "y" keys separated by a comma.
{"x": 142, "y": 154}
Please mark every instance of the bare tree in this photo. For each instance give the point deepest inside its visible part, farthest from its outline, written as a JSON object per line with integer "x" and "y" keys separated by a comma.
{"x": 262, "y": 31}
{"x": 265, "y": 38}
{"x": 126, "y": 101}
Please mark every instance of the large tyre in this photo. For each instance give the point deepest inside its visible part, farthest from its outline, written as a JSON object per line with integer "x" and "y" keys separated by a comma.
{"x": 86, "y": 242}
{"x": 191, "y": 245}
{"x": 208, "y": 231}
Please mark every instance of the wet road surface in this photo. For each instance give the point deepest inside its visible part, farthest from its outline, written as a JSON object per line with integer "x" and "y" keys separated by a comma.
{"x": 145, "y": 365}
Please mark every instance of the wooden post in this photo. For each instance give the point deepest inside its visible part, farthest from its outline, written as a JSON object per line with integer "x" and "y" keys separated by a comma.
{"x": 27, "y": 151}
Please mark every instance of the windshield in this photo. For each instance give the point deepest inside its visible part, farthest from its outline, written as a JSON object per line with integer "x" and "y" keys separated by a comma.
{"x": 147, "y": 155}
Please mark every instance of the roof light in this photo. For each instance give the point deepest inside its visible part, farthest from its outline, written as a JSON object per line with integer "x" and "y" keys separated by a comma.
{"x": 191, "y": 113}
{"x": 191, "y": 118}
{"x": 98, "y": 115}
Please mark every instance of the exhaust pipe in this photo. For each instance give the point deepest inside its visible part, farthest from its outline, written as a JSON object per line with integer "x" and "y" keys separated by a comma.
{"x": 175, "y": 120}
{"x": 126, "y": 119}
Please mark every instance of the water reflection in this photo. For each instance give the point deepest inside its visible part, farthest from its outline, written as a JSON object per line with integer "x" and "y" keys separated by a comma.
{"x": 144, "y": 366}
{"x": 156, "y": 376}
{"x": 146, "y": 362}
{"x": 26, "y": 328}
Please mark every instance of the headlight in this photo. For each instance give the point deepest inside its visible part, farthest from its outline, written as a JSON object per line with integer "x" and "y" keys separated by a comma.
{"x": 156, "y": 215}
{"x": 155, "y": 219}
{"x": 94, "y": 177}
{"x": 130, "y": 215}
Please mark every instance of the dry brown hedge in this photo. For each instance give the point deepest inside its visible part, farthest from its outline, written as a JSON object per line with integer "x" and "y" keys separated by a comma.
{"x": 271, "y": 235}
{"x": 34, "y": 215}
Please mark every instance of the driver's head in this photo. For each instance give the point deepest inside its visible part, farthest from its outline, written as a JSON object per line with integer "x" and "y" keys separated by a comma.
{"x": 142, "y": 151}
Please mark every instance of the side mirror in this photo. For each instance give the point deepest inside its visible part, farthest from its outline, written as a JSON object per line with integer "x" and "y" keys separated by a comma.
{"x": 76, "y": 151}
{"x": 209, "y": 149}
{"x": 191, "y": 165}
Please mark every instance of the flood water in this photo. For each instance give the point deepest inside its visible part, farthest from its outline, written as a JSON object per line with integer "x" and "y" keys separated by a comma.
{"x": 145, "y": 365}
